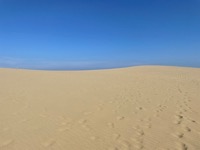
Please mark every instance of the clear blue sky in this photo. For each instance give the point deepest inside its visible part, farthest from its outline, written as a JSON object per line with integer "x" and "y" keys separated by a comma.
{"x": 89, "y": 34}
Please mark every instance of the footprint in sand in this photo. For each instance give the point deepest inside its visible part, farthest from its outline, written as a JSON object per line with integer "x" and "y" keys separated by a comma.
{"x": 160, "y": 109}
{"x": 138, "y": 143}
{"x": 179, "y": 135}
{"x": 139, "y": 139}
{"x": 140, "y": 132}
{"x": 192, "y": 120}
{"x": 148, "y": 126}
{"x": 140, "y": 108}
{"x": 120, "y": 117}
{"x": 181, "y": 146}
{"x": 111, "y": 125}
{"x": 120, "y": 144}
{"x": 147, "y": 123}
{"x": 187, "y": 129}
{"x": 179, "y": 116}
{"x": 178, "y": 119}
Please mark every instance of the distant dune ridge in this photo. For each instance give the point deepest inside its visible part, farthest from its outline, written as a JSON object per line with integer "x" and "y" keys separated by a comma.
{"x": 135, "y": 108}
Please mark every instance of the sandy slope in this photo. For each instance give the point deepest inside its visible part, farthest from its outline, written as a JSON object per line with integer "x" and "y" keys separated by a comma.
{"x": 150, "y": 108}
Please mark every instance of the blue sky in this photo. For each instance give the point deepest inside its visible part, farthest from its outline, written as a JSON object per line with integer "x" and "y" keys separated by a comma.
{"x": 93, "y": 34}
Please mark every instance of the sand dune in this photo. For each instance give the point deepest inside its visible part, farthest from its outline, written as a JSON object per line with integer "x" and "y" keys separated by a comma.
{"x": 136, "y": 108}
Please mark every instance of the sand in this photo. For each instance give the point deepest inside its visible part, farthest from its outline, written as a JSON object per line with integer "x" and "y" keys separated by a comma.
{"x": 135, "y": 108}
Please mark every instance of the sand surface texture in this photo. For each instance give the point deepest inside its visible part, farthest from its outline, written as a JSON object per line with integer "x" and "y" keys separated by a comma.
{"x": 136, "y": 108}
